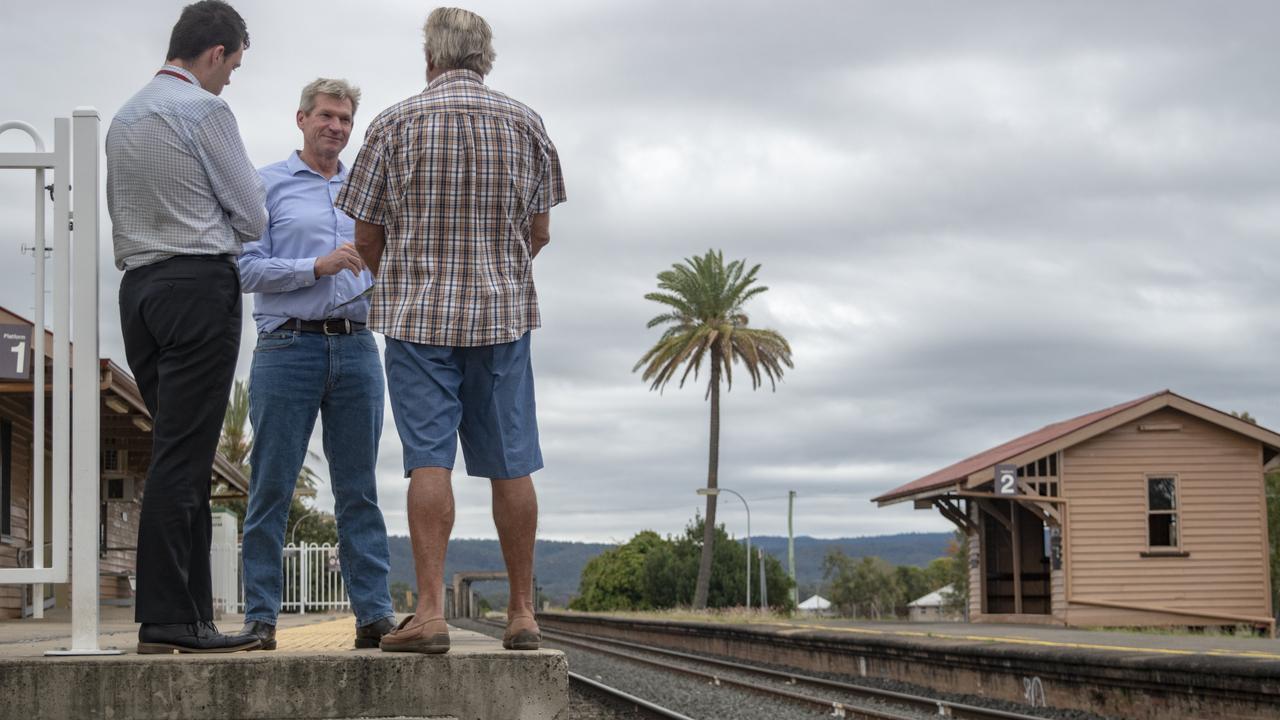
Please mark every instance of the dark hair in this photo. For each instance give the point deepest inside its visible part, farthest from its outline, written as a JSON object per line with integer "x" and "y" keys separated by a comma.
{"x": 207, "y": 24}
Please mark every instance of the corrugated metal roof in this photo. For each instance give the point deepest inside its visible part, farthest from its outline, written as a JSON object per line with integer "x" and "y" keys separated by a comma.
{"x": 963, "y": 469}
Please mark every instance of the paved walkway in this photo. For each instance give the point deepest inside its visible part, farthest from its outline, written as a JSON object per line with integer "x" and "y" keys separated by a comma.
{"x": 1154, "y": 643}
{"x": 313, "y": 632}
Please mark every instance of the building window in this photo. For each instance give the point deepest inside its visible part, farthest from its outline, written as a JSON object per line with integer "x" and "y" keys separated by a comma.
{"x": 6, "y": 477}
{"x": 1162, "y": 511}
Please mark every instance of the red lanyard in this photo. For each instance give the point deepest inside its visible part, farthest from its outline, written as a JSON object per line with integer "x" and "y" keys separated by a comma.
{"x": 180, "y": 76}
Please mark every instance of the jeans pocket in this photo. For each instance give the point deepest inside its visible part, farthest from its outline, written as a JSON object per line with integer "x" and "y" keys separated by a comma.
{"x": 367, "y": 342}
{"x": 274, "y": 341}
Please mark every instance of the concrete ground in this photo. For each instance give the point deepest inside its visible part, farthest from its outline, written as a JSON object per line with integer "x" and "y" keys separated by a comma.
{"x": 117, "y": 629}
{"x": 315, "y": 673}
{"x": 1155, "y": 642}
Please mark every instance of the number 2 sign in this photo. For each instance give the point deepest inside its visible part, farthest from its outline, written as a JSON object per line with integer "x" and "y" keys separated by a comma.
{"x": 15, "y": 352}
{"x": 1007, "y": 480}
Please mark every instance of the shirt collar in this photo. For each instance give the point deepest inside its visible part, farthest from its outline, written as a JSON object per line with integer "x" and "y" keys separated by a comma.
{"x": 184, "y": 72}
{"x": 456, "y": 75}
{"x": 296, "y": 165}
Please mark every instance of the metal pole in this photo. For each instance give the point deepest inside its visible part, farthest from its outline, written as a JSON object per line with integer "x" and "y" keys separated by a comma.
{"x": 304, "y": 578}
{"x": 37, "y": 405}
{"x": 791, "y": 548}
{"x": 748, "y": 507}
{"x": 85, "y": 382}
{"x": 61, "y": 345}
{"x": 764, "y": 587}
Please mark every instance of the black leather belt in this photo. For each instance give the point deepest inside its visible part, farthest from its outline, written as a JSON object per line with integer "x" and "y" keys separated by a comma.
{"x": 332, "y": 326}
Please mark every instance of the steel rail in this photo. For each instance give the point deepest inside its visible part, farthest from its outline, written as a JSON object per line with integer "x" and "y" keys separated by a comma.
{"x": 615, "y": 693}
{"x": 838, "y": 709}
{"x": 919, "y": 702}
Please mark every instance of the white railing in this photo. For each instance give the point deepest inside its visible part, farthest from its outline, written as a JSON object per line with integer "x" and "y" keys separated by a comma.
{"x": 74, "y": 161}
{"x": 312, "y": 579}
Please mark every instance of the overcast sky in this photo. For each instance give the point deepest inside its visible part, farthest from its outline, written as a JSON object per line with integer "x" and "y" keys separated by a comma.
{"x": 974, "y": 219}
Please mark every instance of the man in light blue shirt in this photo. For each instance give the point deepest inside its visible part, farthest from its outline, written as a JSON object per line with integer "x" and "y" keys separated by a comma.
{"x": 314, "y": 356}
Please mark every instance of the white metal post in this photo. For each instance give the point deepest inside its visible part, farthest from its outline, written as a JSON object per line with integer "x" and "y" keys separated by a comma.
{"x": 303, "y": 567}
{"x": 37, "y": 403}
{"x": 61, "y": 346}
{"x": 85, "y": 383}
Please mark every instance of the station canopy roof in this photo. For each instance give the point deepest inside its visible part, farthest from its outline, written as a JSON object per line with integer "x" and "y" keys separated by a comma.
{"x": 978, "y": 469}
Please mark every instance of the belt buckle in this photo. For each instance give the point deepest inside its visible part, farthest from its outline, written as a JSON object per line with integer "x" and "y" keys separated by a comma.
{"x": 346, "y": 326}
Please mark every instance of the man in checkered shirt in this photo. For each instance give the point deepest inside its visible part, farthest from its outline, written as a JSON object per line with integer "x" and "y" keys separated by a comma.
{"x": 451, "y": 196}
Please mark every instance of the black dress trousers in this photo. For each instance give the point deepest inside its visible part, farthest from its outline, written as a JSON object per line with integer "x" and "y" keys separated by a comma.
{"x": 181, "y": 323}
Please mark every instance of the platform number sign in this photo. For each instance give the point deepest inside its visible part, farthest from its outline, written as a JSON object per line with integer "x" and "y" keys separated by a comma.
{"x": 1007, "y": 480}
{"x": 15, "y": 352}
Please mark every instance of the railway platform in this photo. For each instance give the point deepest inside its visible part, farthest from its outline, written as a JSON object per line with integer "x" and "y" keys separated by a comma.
{"x": 1138, "y": 675}
{"x": 315, "y": 673}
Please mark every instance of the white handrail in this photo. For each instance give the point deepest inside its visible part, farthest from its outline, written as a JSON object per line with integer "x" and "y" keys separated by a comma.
{"x": 83, "y": 455}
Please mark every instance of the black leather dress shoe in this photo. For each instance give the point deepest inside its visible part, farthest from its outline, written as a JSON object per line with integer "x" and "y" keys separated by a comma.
{"x": 265, "y": 632}
{"x": 196, "y": 637}
{"x": 368, "y": 636}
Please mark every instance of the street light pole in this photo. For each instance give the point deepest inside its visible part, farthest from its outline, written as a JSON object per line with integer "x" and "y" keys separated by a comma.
{"x": 298, "y": 522}
{"x": 717, "y": 491}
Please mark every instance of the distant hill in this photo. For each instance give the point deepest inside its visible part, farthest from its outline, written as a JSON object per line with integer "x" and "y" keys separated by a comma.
{"x": 558, "y": 565}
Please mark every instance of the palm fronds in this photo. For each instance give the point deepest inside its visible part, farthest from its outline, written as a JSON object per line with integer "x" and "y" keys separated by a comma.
{"x": 705, "y": 299}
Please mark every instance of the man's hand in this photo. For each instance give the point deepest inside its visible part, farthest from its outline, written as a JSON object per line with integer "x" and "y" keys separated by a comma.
{"x": 344, "y": 258}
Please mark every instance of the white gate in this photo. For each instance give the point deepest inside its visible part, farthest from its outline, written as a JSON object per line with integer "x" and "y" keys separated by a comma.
{"x": 312, "y": 579}
{"x": 75, "y": 165}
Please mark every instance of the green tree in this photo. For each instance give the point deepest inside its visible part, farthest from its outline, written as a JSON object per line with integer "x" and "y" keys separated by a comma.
{"x": 954, "y": 571}
{"x": 650, "y": 572}
{"x": 304, "y": 524}
{"x": 705, "y": 320}
{"x": 867, "y": 587}
{"x": 616, "y": 578}
{"x": 913, "y": 583}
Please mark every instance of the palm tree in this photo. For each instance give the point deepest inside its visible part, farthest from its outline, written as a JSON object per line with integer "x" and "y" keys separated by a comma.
{"x": 236, "y": 444}
{"x": 705, "y": 320}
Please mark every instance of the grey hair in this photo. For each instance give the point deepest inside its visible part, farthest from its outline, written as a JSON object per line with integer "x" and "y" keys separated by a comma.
{"x": 458, "y": 39}
{"x": 340, "y": 89}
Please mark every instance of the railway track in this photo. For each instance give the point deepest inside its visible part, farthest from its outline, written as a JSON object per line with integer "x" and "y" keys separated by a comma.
{"x": 612, "y": 695}
{"x": 838, "y": 699}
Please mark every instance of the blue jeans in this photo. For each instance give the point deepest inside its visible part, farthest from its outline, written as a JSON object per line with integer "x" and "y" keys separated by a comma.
{"x": 295, "y": 376}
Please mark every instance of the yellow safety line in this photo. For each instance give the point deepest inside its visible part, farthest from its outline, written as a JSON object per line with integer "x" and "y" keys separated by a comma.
{"x": 1017, "y": 640}
{"x": 330, "y": 635}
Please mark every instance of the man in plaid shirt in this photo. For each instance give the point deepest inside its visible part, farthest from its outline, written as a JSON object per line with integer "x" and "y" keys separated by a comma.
{"x": 451, "y": 196}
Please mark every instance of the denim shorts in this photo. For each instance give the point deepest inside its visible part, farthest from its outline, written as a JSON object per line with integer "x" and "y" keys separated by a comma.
{"x": 482, "y": 394}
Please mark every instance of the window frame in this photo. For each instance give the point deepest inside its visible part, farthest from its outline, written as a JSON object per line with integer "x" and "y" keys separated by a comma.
{"x": 1176, "y": 512}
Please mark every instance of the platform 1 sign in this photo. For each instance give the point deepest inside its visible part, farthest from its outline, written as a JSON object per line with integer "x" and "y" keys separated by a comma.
{"x": 15, "y": 352}
{"x": 1007, "y": 480}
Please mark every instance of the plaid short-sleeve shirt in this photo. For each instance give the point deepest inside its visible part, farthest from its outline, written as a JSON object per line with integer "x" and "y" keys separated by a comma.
{"x": 455, "y": 175}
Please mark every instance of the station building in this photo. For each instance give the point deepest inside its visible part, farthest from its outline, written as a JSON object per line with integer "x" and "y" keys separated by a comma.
{"x": 1149, "y": 513}
{"x": 126, "y": 454}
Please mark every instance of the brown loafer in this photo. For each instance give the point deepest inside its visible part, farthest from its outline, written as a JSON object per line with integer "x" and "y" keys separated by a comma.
{"x": 522, "y": 638}
{"x": 430, "y": 636}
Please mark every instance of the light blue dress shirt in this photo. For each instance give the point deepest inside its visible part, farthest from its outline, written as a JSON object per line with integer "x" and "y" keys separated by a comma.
{"x": 303, "y": 225}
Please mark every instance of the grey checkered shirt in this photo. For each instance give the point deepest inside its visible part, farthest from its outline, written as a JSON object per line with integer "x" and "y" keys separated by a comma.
{"x": 178, "y": 179}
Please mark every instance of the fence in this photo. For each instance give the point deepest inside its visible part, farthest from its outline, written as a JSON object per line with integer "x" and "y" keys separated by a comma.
{"x": 313, "y": 579}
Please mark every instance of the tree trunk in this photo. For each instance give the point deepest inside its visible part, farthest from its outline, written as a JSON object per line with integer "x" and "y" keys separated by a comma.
{"x": 713, "y": 469}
